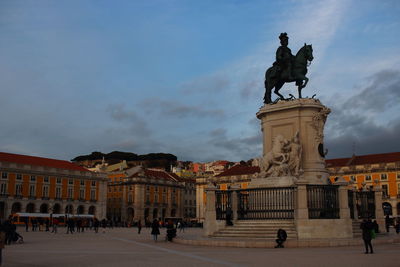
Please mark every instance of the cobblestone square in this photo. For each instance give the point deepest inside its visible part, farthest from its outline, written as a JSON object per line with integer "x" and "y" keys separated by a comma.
{"x": 124, "y": 247}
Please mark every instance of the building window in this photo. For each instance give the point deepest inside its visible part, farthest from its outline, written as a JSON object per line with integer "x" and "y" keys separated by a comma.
{"x": 398, "y": 176}
{"x": 4, "y": 175}
{"x": 58, "y": 180}
{"x": 147, "y": 188}
{"x": 18, "y": 189}
{"x": 82, "y": 193}
{"x": 45, "y": 191}
{"x": 3, "y": 188}
{"x": 33, "y": 178}
{"x": 31, "y": 190}
{"x": 130, "y": 198}
{"x": 70, "y": 192}
{"x": 70, "y": 181}
{"x": 130, "y": 188}
{"x": 368, "y": 178}
{"x": 19, "y": 176}
{"x": 352, "y": 177}
{"x": 82, "y": 182}
{"x": 92, "y": 194}
{"x": 398, "y": 189}
{"x": 46, "y": 179}
{"x": 164, "y": 198}
{"x": 383, "y": 176}
{"x": 93, "y": 183}
{"x": 385, "y": 190}
{"x": 156, "y": 198}
{"x": 58, "y": 192}
{"x": 147, "y": 198}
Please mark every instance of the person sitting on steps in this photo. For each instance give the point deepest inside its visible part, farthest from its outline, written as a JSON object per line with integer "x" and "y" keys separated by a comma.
{"x": 282, "y": 236}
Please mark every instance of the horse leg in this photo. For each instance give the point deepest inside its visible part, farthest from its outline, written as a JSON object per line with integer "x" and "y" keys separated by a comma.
{"x": 278, "y": 86}
{"x": 267, "y": 95}
{"x": 301, "y": 85}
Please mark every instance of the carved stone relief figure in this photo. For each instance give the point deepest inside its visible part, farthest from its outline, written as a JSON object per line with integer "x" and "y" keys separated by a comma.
{"x": 284, "y": 159}
{"x": 295, "y": 155}
{"x": 318, "y": 122}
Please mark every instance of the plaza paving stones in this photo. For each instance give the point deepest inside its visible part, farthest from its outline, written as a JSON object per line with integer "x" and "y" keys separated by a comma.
{"x": 124, "y": 247}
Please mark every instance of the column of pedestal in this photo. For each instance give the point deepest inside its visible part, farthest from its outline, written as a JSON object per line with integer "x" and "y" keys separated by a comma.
{"x": 139, "y": 202}
{"x": 210, "y": 223}
{"x": 379, "y": 214}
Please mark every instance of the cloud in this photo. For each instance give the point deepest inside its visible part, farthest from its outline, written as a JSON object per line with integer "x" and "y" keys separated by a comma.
{"x": 175, "y": 109}
{"x": 364, "y": 118}
{"x": 212, "y": 83}
{"x": 382, "y": 92}
{"x": 128, "y": 120}
{"x": 240, "y": 148}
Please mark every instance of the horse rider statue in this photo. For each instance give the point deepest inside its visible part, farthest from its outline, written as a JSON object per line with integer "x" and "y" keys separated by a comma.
{"x": 284, "y": 58}
{"x": 286, "y": 69}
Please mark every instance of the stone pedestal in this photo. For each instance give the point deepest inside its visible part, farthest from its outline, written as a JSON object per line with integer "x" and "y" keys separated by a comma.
{"x": 307, "y": 118}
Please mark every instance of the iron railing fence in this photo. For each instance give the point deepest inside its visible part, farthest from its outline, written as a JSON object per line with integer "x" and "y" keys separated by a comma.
{"x": 365, "y": 203}
{"x": 350, "y": 196}
{"x": 266, "y": 203}
{"x": 223, "y": 200}
{"x": 323, "y": 201}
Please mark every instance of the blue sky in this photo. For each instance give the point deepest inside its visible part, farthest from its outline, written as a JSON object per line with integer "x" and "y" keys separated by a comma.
{"x": 186, "y": 77}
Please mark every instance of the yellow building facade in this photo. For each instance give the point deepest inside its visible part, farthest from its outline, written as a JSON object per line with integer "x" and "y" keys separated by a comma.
{"x": 369, "y": 171}
{"x": 35, "y": 184}
{"x": 144, "y": 194}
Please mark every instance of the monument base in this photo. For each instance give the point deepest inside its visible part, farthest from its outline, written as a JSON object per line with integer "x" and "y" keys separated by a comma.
{"x": 284, "y": 181}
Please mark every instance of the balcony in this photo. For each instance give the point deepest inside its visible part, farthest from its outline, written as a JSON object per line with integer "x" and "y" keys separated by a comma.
{"x": 58, "y": 198}
{"x": 93, "y": 200}
{"x": 398, "y": 195}
{"x": 70, "y": 199}
{"x": 31, "y": 197}
{"x": 45, "y": 198}
{"x": 82, "y": 199}
{"x": 18, "y": 196}
{"x": 385, "y": 196}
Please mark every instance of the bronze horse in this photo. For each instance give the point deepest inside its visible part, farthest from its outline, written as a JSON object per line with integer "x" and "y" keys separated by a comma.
{"x": 299, "y": 71}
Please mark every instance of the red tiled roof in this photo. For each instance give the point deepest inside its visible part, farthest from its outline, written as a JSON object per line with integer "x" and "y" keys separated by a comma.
{"x": 239, "y": 170}
{"x": 365, "y": 159}
{"x": 38, "y": 161}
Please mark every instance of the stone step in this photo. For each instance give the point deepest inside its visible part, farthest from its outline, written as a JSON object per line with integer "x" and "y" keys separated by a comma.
{"x": 248, "y": 235}
{"x": 255, "y": 230}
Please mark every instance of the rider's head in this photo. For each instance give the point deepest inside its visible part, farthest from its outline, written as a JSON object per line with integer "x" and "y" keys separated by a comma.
{"x": 284, "y": 39}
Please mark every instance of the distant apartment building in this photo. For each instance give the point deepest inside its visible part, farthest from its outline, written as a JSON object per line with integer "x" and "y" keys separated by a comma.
{"x": 368, "y": 171}
{"x": 36, "y": 184}
{"x": 146, "y": 194}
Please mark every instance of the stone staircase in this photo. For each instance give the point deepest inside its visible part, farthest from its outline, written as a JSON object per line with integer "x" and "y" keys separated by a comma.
{"x": 357, "y": 232}
{"x": 265, "y": 229}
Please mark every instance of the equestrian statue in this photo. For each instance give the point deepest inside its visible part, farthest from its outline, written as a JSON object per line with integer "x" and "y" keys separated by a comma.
{"x": 287, "y": 68}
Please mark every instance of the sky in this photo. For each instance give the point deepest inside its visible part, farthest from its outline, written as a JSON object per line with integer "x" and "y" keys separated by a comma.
{"x": 187, "y": 77}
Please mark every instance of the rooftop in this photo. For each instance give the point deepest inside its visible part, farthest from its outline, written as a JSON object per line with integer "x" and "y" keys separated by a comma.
{"x": 364, "y": 159}
{"x": 38, "y": 161}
